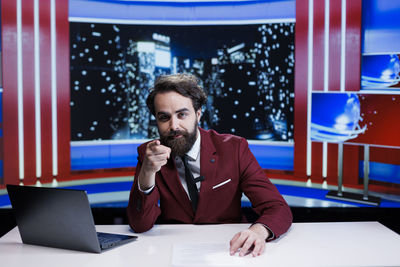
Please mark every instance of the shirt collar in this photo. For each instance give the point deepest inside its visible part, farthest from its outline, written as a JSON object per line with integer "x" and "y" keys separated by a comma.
{"x": 195, "y": 150}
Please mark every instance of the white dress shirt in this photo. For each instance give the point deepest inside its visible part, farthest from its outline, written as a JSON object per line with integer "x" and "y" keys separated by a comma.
{"x": 193, "y": 162}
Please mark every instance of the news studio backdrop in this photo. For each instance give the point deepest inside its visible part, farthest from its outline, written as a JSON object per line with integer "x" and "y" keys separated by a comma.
{"x": 321, "y": 128}
{"x": 366, "y": 118}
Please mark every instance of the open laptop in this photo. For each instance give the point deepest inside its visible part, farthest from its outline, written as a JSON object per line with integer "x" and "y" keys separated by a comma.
{"x": 59, "y": 218}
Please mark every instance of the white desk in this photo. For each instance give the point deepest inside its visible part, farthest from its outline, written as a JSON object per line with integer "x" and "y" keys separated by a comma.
{"x": 305, "y": 244}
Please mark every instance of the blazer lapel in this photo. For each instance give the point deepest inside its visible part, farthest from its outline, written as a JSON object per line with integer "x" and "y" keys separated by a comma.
{"x": 170, "y": 176}
{"x": 208, "y": 168}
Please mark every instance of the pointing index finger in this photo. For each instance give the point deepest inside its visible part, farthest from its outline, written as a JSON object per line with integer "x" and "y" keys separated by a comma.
{"x": 154, "y": 143}
{"x": 156, "y": 147}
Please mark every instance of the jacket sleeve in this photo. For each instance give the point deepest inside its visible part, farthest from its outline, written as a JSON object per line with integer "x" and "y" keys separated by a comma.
{"x": 266, "y": 200}
{"x": 143, "y": 209}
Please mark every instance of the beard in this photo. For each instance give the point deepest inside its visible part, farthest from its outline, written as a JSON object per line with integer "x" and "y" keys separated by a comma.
{"x": 181, "y": 145}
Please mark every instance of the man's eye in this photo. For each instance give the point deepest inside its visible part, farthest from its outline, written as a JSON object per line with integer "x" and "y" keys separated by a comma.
{"x": 182, "y": 115}
{"x": 163, "y": 118}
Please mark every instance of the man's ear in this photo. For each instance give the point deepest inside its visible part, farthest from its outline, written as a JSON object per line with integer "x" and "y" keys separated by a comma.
{"x": 198, "y": 115}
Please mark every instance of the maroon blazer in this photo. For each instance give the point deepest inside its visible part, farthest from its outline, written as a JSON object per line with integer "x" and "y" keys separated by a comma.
{"x": 222, "y": 157}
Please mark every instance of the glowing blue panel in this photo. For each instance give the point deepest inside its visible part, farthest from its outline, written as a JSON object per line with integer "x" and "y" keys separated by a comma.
{"x": 380, "y": 72}
{"x": 181, "y": 11}
{"x": 380, "y": 26}
{"x": 103, "y": 156}
{"x": 382, "y": 172}
{"x": 274, "y": 157}
{"x": 335, "y": 117}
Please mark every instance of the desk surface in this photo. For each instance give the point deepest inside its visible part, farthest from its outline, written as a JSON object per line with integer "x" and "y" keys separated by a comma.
{"x": 305, "y": 244}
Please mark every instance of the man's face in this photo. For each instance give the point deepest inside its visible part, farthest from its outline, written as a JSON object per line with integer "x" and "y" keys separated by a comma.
{"x": 176, "y": 121}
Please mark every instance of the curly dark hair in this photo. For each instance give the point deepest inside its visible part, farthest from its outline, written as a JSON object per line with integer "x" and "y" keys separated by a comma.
{"x": 186, "y": 85}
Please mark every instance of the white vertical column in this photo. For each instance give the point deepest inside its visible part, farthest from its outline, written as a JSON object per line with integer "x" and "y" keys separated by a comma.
{"x": 37, "y": 91}
{"x": 342, "y": 89}
{"x": 366, "y": 172}
{"x": 343, "y": 49}
{"x": 20, "y": 93}
{"x": 326, "y": 83}
{"x": 309, "y": 80}
{"x": 54, "y": 87}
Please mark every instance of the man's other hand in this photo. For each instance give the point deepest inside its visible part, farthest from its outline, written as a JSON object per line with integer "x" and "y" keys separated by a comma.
{"x": 251, "y": 240}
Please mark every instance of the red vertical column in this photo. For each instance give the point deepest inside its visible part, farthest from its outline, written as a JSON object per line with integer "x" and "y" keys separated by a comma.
{"x": 300, "y": 87}
{"x": 335, "y": 38}
{"x": 351, "y": 157}
{"x": 353, "y": 39}
{"x": 335, "y": 17}
{"x": 332, "y": 169}
{"x": 353, "y": 45}
{"x": 353, "y": 80}
{"x": 45, "y": 90}
{"x": 318, "y": 80}
{"x": 10, "y": 94}
{"x": 10, "y": 91}
{"x": 63, "y": 89}
{"x": 28, "y": 74}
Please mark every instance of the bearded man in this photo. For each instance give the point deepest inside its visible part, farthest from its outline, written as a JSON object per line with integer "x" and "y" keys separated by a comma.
{"x": 191, "y": 175}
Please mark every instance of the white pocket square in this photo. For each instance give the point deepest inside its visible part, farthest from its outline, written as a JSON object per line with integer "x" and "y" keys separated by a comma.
{"x": 221, "y": 184}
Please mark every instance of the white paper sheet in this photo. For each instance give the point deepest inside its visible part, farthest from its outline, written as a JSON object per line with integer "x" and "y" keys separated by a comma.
{"x": 206, "y": 254}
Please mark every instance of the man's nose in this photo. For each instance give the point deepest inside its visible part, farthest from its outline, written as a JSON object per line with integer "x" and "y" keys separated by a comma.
{"x": 173, "y": 124}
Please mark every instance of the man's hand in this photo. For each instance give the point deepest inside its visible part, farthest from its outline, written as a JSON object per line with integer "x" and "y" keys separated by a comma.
{"x": 250, "y": 240}
{"x": 155, "y": 157}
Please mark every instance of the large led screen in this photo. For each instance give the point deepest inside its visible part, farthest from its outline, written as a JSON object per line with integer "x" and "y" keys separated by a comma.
{"x": 381, "y": 72}
{"x": 380, "y": 69}
{"x": 356, "y": 118}
{"x": 247, "y": 71}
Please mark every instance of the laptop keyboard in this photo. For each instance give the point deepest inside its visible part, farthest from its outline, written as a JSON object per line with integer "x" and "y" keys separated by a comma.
{"x": 108, "y": 240}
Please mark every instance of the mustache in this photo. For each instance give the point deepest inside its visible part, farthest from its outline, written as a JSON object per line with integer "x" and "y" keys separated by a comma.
{"x": 175, "y": 132}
